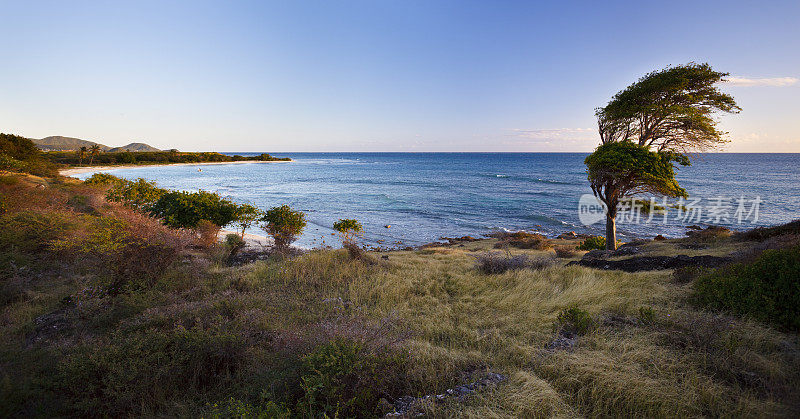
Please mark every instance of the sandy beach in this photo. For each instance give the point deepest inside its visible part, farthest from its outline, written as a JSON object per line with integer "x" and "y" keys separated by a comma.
{"x": 251, "y": 240}
{"x": 86, "y": 169}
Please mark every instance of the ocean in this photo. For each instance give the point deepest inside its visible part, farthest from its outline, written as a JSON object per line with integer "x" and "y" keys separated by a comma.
{"x": 425, "y": 196}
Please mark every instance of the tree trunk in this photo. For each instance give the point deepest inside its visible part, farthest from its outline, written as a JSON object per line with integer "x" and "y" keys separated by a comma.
{"x": 611, "y": 232}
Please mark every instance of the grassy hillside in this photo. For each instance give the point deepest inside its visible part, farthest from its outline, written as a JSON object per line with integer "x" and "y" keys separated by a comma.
{"x": 60, "y": 143}
{"x": 107, "y": 312}
{"x": 135, "y": 147}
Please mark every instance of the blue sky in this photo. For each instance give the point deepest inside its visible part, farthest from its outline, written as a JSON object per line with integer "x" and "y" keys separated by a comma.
{"x": 380, "y": 75}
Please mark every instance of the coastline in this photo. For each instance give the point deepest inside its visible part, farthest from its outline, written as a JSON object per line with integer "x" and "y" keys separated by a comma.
{"x": 251, "y": 240}
{"x": 87, "y": 169}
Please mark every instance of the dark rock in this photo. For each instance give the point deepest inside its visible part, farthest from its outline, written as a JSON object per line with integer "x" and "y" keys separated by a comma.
{"x": 563, "y": 341}
{"x": 659, "y": 238}
{"x": 653, "y": 263}
{"x": 413, "y": 406}
{"x": 568, "y": 235}
{"x": 625, "y": 250}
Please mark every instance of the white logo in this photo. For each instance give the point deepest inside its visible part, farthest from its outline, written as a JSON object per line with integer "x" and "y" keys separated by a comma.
{"x": 591, "y": 210}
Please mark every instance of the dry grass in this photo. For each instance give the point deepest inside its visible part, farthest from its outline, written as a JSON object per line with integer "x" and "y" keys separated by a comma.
{"x": 449, "y": 317}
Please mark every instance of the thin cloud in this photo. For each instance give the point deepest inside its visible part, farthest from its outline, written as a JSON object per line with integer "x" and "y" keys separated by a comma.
{"x": 771, "y": 82}
{"x": 539, "y": 134}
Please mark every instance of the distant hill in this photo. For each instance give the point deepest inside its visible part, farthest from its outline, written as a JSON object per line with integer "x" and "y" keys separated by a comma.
{"x": 135, "y": 147}
{"x": 59, "y": 143}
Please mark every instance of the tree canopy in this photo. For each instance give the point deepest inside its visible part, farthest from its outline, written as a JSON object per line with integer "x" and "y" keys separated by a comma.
{"x": 669, "y": 109}
{"x": 626, "y": 168}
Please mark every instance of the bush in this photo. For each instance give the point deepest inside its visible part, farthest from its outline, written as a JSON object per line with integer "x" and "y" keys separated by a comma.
{"x": 137, "y": 371}
{"x": 234, "y": 243}
{"x": 284, "y": 225}
{"x": 763, "y": 233}
{"x": 246, "y": 216}
{"x": 593, "y": 243}
{"x": 207, "y": 233}
{"x": 127, "y": 254}
{"x": 139, "y": 194}
{"x": 566, "y": 252}
{"x": 497, "y": 263}
{"x": 31, "y": 231}
{"x": 345, "y": 378}
{"x": 574, "y": 320}
{"x": 237, "y": 409}
{"x": 524, "y": 240}
{"x": 767, "y": 289}
{"x": 104, "y": 179}
{"x": 348, "y": 229}
{"x": 20, "y": 154}
{"x": 186, "y": 209}
{"x": 709, "y": 235}
{"x": 687, "y": 274}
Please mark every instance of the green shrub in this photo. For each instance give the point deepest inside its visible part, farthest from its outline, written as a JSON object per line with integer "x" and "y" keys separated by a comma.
{"x": 593, "y": 243}
{"x": 246, "y": 216}
{"x": 348, "y": 229}
{"x": 186, "y": 209}
{"x": 767, "y": 289}
{"x": 284, "y": 225}
{"x": 104, "y": 179}
{"x": 343, "y": 378}
{"x": 237, "y": 409}
{"x": 134, "y": 372}
{"x": 30, "y": 231}
{"x": 575, "y": 321}
{"x": 647, "y": 315}
{"x": 139, "y": 194}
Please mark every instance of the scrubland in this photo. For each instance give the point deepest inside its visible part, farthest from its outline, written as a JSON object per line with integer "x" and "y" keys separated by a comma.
{"x": 107, "y": 312}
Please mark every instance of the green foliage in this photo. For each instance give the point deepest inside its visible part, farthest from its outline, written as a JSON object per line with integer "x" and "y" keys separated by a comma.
{"x": 349, "y": 230}
{"x": 137, "y": 370}
{"x": 18, "y": 148}
{"x": 19, "y": 154}
{"x": 31, "y": 232}
{"x": 139, "y": 194}
{"x": 767, "y": 289}
{"x": 246, "y": 216}
{"x": 101, "y": 178}
{"x": 593, "y": 243}
{"x": 647, "y": 315}
{"x": 123, "y": 257}
{"x": 186, "y": 209}
{"x": 670, "y": 109}
{"x": 343, "y": 378}
{"x": 575, "y": 321}
{"x": 284, "y": 224}
{"x": 237, "y": 409}
{"x": 148, "y": 157}
{"x": 624, "y": 168}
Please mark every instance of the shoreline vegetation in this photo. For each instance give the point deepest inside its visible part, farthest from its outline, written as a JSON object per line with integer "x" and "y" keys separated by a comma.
{"x": 117, "y": 298}
{"x": 71, "y": 171}
{"x": 82, "y": 160}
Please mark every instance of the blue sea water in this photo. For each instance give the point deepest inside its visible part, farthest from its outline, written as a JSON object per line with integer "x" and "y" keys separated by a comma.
{"x": 424, "y": 196}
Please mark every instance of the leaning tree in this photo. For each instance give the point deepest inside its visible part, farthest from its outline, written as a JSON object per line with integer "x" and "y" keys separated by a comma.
{"x": 648, "y": 126}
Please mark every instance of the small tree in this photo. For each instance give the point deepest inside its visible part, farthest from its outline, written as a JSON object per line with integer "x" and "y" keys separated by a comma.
{"x": 81, "y": 155}
{"x": 246, "y": 216}
{"x": 94, "y": 150}
{"x": 618, "y": 170}
{"x": 349, "y": 230}
{"x": 284, "y": 225}
{"x": 649, "y": 125}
